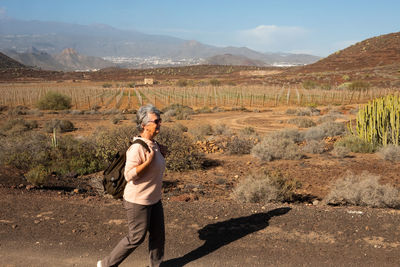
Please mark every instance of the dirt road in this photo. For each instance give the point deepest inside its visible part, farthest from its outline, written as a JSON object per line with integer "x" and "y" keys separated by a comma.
{"x": 58, "y": 229}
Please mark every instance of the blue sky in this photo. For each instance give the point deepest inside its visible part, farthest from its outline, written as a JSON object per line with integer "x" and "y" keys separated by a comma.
{"x": 318, "y": 27}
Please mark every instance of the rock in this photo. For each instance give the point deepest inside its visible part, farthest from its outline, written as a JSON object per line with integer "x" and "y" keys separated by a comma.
{"x": 14, "y": 226}
{"x": 20, "y": 185}
{"x": 76, "y": 191}
{"x": 29, "y": 187}
{"x": 184, "y": 197}
{"x": 315, "y": 202}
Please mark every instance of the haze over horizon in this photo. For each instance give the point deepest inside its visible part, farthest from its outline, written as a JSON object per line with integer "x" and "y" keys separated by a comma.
{"x": 310, "y": 27}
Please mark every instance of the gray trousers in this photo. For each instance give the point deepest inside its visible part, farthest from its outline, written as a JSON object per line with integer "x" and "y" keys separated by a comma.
{"x": 141, "y": 219}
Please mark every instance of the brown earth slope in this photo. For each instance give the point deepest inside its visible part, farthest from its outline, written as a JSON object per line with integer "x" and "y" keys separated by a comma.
{"x": 376, "y": 51}
{"x": 9, "y": 63}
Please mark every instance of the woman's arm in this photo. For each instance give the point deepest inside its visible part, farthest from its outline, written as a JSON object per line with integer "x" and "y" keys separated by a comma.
{"x": 137, "y": 160}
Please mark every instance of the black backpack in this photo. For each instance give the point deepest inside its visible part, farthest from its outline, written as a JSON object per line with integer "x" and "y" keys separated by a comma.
{"x": 114, "y": 181}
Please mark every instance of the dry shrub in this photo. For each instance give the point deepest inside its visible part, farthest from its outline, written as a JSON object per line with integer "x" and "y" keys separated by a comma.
{"x": 264, "y": 187}
{"x": 201, "y": 131}
{"x": 168, "y": 115}
{"x": 61, "y": 126}
{"x": 390, "y": 152}
{"x": 17, "y": 126}
{"x": 355, "y": 144}
{"x": 180, "y": 112}
{"x": 279, "y": 145}
{"x": 182, "y": 153}
{"x": 37, "y": 175}
{"x": 314, "y": 147}
{"x": 363, "y": 190}
{"x": 180, "y": 127}
{"x": 239, "y": 146}
{"x": 247, "y": 132}
{"x": 222, "y": 129}
{"x": 340, "y": 152}
{"x": 302, "y": 122}
{"x": 18, "y": 110}
{"x": 326, "y": 129}
{"x": 76, "y": 112}
{"x": 117, "y": 118}
{"x": 291, "y": 111}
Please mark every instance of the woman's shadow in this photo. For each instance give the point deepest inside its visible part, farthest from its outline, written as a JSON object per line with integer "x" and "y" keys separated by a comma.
{"x": 222, "y": 233}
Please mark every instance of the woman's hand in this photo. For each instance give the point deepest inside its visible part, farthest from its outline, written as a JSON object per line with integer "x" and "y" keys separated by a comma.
{"x": 150, "y": 156}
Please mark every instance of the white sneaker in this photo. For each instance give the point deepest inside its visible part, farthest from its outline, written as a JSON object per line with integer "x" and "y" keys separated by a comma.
{"x": 99, "y": 264}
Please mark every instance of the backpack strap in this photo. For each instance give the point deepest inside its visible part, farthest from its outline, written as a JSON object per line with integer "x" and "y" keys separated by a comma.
{"x": 143, "y": 143}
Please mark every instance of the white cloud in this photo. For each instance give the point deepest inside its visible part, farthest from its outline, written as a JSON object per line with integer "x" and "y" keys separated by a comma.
{"x": 272, "y": 37}
{"x": 3, "y": 13}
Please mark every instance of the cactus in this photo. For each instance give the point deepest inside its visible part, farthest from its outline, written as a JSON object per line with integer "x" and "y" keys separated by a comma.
{"x": 378, "y": 122}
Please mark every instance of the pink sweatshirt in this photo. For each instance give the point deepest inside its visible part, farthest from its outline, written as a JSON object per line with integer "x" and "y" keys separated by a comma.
{"x": 145, "y": 190}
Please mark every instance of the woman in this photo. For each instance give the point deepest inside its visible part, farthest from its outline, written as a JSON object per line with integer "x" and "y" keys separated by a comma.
{"x": 142, "y": 195}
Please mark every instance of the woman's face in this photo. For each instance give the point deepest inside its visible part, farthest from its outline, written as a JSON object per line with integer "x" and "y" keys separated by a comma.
{"x": 153, "y": 126}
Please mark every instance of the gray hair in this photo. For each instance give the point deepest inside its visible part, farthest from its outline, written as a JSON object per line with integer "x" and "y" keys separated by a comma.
{"x": 142, "y": 117}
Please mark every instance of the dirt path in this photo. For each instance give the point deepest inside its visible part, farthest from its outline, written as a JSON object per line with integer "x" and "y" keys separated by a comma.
{"x": 52, "y": 229}
{"x": 263, "y": 122}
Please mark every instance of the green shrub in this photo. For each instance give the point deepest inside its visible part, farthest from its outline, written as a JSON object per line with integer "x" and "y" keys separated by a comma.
{"x": 182, "y": 83}
{"x": 107, "y": 85}
{"x": 182, "y": 153}
{"x": 302, "y": 122}
{"x": 264, "y": 187}
{"x": 61, "y": 126}
{"x": 363, "y": 190}
{"x": 26, "y": 150}
{"x": 239, "y": 146}
{"x": 358, "y": 86}
{"x": 390, "y": 152}
{"x": 76, "y": 155}
{"x": 54, "y": 101}
{"x": 355, "y": 144}
{"x": 110, "y": 141}
{"x": 37, "y": 175}
{"x": 215, "y": 82}
{"x": 308, "y": 84}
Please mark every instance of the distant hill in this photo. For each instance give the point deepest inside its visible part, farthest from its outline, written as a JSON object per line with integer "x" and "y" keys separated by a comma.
{"x": 9, "y": 63}
{"x": 376, "y": 51}
{"x": 67, "y": 60}
{"x": 105, "y": 41}
{"x": 229, "y": 59}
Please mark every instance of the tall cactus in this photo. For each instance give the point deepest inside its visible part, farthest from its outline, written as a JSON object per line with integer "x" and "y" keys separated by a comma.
{"x": 378, "y": 122}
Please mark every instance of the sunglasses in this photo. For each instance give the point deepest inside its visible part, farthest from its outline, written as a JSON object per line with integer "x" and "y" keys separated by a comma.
{"x": 157, "y": 121}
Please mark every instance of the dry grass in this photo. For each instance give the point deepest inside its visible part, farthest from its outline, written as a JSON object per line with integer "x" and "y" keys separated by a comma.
{"x": 279, "y": 145}
{"x": 363, "y": 190}
{"x": 264, "y": 187}
{"x": 390, "y": 153}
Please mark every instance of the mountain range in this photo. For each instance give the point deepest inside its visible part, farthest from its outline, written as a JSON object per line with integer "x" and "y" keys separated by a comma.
{"x": 51, "y": 38}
